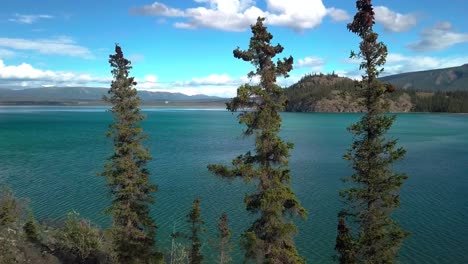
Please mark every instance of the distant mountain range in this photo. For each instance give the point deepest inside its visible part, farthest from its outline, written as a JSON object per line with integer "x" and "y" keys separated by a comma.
{"x": 321, "y": 93}
{"x": 87, "y": 95}
{"x": 447, "y": 79}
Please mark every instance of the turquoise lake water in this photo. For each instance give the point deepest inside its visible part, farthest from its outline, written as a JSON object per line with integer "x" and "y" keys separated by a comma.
{"x": 52, "y": 155}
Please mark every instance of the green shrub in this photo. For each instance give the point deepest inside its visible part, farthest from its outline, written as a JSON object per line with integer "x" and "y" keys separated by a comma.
{"x": 10, "y": 207}
{"x": 31, "y": 229}
{"x": 78, "y": 237}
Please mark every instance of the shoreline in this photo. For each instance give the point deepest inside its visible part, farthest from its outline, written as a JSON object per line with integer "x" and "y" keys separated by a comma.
{"x": 213, "y": 107}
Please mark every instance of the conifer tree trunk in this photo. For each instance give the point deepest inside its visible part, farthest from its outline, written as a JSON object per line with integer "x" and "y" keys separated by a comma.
{"x": 270, "y": 238}
{"x": 133, "y": 229}
{"x": 374, "y": 191}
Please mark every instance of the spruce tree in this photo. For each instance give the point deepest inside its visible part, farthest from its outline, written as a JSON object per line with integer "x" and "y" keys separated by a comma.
{"x": 133, "y": 229}
{"x": 224, "y": 236}
{"x": 374, "y": 192}
{"x": 196, "y": 223}
{"x": 270, "y": 238}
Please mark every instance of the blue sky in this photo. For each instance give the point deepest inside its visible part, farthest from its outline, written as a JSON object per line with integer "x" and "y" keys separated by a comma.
{"x": 186, "y": 46}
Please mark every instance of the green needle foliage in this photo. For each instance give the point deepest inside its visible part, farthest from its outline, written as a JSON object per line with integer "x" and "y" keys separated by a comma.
{"x": 344, "y": 243}
{"x": 374, "y": 191}
{"x": 31, "y": 229}
{"x": 270, "y": 238}
{"x": 196, "y": 222}
{"x": 196, "y": 227}
{"x": 224, "y": 236}
{"x": 133, "y": 229}
{"x": 10, "y": 208}
{"x": 78, "y": 237}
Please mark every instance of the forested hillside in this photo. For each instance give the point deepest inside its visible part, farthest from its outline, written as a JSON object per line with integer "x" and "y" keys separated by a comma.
{"x": 332, "y": 93}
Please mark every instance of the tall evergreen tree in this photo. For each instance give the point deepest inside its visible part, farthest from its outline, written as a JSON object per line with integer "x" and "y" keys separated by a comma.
{"x": 133, "y": 229}
{"x": 224, "y": 235}
{"x": 374, "y": 191}
{"x": 196, "y": 222}
{"x": 270, "y": 238}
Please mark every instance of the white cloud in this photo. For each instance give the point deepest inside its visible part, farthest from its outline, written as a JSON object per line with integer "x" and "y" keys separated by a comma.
{"x": 222, "y": 20}
{"x": 393, "y": 21}
{"x": 149, "y": 82}
{"x": 231, "y": 15}
{"x": 295, "y": 14}
{"x": 221, "y": 85}
{"x": 151, "y": 78}
{"x": 439, "y": 37}
{"x": 213, "y": 79}
{"x": 238, "y": 15}
{"x": 26, "y": 75}
{"x": 352, "y": 74}
{"x": 338, "y": 15}
{"x": 4, "y": 53}
{"x": 397, "y": 63}
{"x": 57, "y": 46}
{"x": 254, "y": 80}
{"x": 221, "y": 91}
{"x": 28, "y": 19}
{"x": 315, "y": 64}
{"x": 158, "y": 9}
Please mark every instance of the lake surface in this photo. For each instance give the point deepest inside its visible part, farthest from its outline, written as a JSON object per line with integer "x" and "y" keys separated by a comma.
{"x": 52, "y": 155}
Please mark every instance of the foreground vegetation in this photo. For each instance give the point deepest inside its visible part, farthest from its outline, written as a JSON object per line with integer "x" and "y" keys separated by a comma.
{"x": 24, "y": 240}
{"x": 373, "y": 189}
{"x": 133, "y": 230}
{"x": 366, "y": 231}
{"x": 270, "y": 238}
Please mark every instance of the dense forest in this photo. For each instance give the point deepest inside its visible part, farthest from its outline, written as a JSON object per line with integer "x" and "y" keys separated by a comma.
{"x": 332, "y": 93}
{"x": 452, "y": 102}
